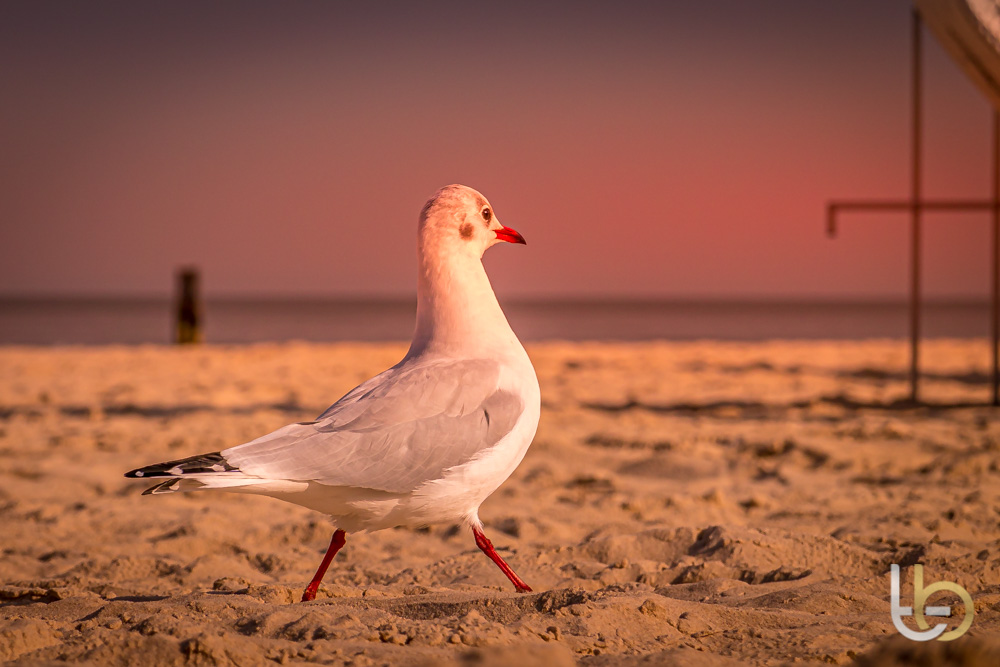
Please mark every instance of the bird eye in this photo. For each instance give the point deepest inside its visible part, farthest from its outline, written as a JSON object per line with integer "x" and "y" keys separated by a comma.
{"x": 487, "y": 214}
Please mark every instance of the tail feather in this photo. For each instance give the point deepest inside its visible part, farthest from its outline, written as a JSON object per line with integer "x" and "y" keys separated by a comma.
{"x": 170, "y": 486}
{"x": 205, "y": 481}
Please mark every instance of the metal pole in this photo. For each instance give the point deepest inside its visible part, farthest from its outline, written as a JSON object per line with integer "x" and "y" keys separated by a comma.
{"x": 915, "y": 221}
{"x": 995, "y": 319}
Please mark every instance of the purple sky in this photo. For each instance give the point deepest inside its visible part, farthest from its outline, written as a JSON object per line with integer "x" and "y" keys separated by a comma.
{"x": 643, "y": 149}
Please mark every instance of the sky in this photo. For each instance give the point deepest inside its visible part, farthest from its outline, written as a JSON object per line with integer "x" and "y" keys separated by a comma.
{"x": 680, "y": 149}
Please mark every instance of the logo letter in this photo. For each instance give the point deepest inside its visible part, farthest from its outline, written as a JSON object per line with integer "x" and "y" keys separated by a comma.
{"x": 921, "y": 594}
{"x": 899, "y": 612}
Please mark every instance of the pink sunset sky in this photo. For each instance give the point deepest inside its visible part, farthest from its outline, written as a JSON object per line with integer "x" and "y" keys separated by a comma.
{"x": 668, "y": 149}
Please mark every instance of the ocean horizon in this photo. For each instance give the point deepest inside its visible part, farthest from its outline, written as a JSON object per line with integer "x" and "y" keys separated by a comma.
{"x": 135, "y": 321}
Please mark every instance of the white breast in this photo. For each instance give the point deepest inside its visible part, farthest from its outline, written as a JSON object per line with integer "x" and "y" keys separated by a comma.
{"x": 456, "y": 497}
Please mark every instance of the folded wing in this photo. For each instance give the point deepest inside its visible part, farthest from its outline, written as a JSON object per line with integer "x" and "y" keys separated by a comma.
{"x": 394, "y": 432}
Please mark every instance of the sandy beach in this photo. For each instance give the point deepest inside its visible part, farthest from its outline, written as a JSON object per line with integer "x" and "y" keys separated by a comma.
{"x": 683, "y": 503}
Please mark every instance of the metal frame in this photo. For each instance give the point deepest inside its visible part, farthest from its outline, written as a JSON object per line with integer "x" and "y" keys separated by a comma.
{"x": 916, "y": 206}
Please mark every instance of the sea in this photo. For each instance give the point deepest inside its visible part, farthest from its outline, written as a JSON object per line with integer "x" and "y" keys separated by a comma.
{"x": 133, "y": 321}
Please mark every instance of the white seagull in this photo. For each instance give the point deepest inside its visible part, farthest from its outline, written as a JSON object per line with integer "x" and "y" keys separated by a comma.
{"x": 424, "y": 442}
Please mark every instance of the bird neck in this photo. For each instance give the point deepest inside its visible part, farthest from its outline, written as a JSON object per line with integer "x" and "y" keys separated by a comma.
{"x": 457, "y": 311}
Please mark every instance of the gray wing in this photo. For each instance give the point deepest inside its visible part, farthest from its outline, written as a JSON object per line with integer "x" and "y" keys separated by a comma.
{"x": 392, "y": 433}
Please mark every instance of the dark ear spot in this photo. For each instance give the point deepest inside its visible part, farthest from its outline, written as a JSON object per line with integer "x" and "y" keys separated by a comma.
{"x": 466, "y": 230}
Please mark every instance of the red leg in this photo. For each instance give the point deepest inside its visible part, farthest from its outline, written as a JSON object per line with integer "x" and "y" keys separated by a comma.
{"x": 484, "y": 543}
{"x": 338, "y": 541}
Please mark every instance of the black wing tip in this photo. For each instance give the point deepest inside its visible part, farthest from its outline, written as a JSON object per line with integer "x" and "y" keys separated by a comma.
{"x": 145, "y": 471}
{"x": 202, "y": 463}
{"x": 156, "y": 470}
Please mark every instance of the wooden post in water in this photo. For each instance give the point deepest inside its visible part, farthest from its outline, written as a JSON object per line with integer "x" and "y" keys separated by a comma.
{"x": 187, "y": 308}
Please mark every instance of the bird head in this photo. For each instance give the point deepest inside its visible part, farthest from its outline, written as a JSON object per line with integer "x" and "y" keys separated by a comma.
{"x": 457, "y": 219}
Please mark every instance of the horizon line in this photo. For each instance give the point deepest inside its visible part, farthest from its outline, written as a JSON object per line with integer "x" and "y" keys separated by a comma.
{"x": 877, "y": 299}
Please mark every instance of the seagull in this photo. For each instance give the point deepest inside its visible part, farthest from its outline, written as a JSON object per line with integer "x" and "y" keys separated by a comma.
{"x": 426, "y": 441}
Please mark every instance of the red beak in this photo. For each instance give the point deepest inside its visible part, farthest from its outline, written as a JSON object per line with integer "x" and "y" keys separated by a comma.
{"x": 510, "y": 236}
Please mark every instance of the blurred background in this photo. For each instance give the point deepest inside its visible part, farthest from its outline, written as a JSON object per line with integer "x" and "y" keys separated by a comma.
{"x": 668, "y": 164}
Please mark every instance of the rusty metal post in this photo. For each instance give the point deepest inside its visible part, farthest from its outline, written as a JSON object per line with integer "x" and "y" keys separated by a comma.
{"x": 916, "y": 211}
{"x": 995, "y": 311}
{"x": 916, "y": 206}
